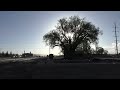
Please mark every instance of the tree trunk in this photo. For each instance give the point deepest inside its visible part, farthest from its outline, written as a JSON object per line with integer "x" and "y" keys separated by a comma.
{"x": 69, "y": 54}
{"x": 65, "y": 53}
{"x": 69, "y": 51}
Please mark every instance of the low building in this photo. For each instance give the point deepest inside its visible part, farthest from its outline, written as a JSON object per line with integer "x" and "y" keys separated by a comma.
{"x": 27, "y": 55}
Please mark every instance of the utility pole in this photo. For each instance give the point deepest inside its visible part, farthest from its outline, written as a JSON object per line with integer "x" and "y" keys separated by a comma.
{"x": 24, "y": 54}
{"x": 49, "y": 49}
{"x": 116, "y": 38}
{"x": 96, "y": 46}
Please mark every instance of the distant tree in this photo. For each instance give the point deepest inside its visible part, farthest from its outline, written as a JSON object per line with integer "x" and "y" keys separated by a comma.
{"x": 6, "y": 55}
{"x": 3, "y": 54}
{"x": 105, "y": 52}
{"x": 11, "y": 55}
{"x": 101, "y": 50}
{"x": 70, "y": 33}
{"x": 0, "y": 54}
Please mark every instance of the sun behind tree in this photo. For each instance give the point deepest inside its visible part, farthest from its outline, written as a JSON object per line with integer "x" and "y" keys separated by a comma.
{"x": 70, "y": 33}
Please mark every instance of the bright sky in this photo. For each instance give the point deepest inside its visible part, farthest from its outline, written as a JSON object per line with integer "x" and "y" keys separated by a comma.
{"x": 24, "y": 30}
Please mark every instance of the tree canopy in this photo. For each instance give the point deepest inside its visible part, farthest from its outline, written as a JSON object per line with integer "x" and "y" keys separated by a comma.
{"x": 70, "y": 33}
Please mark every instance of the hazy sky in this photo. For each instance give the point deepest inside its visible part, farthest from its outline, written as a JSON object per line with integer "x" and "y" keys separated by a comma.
{"x": 24, "y": 30}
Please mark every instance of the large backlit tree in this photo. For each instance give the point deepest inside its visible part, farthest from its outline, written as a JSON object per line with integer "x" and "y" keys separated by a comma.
{"x": 70, "y": 33}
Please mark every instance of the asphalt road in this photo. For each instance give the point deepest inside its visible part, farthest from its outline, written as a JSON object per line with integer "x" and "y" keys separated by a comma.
{"x": 76, "y": 71}
{"x": 59, "y": 71}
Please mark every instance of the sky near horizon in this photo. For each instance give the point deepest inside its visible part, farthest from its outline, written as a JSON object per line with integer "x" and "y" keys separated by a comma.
{"x": 24, "y": 30}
